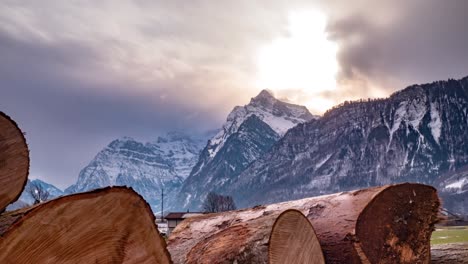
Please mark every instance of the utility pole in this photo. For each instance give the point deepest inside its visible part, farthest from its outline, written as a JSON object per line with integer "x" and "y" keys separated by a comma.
{"x": 162, "y": 204}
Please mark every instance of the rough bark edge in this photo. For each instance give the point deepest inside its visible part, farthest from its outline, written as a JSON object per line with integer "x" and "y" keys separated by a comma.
{"x": 391, "y": 187}
{"x": 94, "y": 193}
{"x": 2, "y": 114}
{"x": 449, "y": 253}
{"x": 305, "y": 218}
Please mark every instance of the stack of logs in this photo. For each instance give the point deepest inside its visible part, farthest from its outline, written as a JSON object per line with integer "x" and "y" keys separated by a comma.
{"x": 110, "y": 225}
{"x": 388, "y": 224}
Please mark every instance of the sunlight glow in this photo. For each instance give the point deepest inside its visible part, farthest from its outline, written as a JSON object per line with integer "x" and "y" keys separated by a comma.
{"x": 318, "y": 104}
{"x": 305, "y": 60}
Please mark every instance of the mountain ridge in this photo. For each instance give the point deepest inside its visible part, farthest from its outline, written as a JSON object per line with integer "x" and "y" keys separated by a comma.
{"x": 146, "y": 167}
{"x": 413, "y": 135}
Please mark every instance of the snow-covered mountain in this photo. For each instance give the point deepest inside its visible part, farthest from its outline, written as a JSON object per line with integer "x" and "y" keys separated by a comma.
{"x": 146, "y": 167}
{"x": 248, "y": 133}
{"x": 416, "y": 135}
{"x": 26, "y": 199}
{"x": 278, "y": 115}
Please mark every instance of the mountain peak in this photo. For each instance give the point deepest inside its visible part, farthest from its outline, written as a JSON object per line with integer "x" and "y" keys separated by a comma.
{"x": 121, "y": 142}
{"x": 125, "y": 138}
{"x": 265, "y": 94}
{"x": 264, "y": 98}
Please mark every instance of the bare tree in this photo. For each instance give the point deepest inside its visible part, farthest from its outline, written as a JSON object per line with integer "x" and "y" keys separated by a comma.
{"x": 37, "y": 192}
{"x": 227, "y": 204}
{"x": 218, "y": 203}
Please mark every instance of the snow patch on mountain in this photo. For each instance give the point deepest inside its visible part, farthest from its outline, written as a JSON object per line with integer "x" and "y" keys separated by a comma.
{"x": 458, "y": 185}
{"x": 436, "y": 123}
{"x": 416, "y": 111}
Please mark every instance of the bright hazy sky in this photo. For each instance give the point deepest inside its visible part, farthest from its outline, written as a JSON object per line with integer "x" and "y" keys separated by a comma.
{"x": 77, "y": 74}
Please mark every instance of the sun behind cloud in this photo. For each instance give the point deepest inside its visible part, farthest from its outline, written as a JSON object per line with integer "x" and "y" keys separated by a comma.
{"x": 303, "y": 61}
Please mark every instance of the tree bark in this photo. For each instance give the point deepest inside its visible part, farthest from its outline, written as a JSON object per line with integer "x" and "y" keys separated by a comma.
{"x": 14, "y": 161}
{"x": 388, "y": 224}
{"x": 455, "y": 253}
{"x": 110, "y": 225}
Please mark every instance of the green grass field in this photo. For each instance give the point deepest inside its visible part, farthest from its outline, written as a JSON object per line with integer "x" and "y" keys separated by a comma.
{"x": 449, "y": 234}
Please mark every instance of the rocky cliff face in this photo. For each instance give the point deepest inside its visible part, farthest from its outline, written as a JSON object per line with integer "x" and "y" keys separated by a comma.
{"x": 248, "y": 133}
{"x": 414, "y": 135}
{"x": 146, "y": 167}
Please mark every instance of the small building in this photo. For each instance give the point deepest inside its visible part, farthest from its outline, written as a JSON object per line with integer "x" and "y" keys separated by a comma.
{"x": 175, "y": 218}
{"x": 162, "y": 226}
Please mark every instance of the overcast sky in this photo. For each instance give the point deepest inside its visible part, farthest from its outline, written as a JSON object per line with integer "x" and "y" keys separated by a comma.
{"x": 77, "y": 74}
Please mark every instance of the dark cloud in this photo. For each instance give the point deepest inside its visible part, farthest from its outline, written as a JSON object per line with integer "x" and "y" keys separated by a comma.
{"x": 69, "y": 119}
{"x": 392, "y": 44}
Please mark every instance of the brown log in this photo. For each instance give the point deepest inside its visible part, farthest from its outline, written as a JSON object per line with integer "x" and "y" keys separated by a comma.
{"x": 110, "y": 225}
{"x": 293, "y": 240}
{"x": 388, "y": 224}
{"x": 14, "y": 161}
{"x": 455, "y": 253}
{"x": 247, "y": 242}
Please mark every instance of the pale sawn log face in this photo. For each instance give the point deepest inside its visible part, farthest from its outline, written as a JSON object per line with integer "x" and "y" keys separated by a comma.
{"x": 293, "y": 240}
{"x": 110, "y": 225}
{"x": 14, "y": 161}
{"x": 334, "y": 218}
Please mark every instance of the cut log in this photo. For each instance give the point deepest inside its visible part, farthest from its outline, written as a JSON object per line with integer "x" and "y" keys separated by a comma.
{"x": 388, "y": 224}
{"x": 293, "y": 240}
{"x": 247, "y": 242}
{"x": 14, "y": 161}
{"x": 455, "y": 253}
{"x": 110, "y": 225}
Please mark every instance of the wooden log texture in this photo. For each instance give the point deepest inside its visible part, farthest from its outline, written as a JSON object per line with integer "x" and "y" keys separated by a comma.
{"x": 247, "y": 242}
{"x": 455, "y": 253}
{"x": 110, "y": 225}
{"x": 388, "y": 224}
{"x": 14, "y": 161}
{"x": 293, "y": 240}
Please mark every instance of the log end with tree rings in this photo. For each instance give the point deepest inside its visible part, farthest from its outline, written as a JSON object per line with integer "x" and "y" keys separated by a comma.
{"x": 110, "y": 225}
{"x": 396, "y": 225}
{"x": 14, "y": 161}
{"x": 293, "y": 240}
